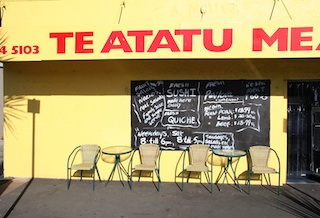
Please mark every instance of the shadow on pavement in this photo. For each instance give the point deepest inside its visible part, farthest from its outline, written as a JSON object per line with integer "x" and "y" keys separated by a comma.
{"x": 51, "y": 198}
{"x": 4, "y": 183}
{"x": 297, "y": 202}
{"x": 1, "y": 168}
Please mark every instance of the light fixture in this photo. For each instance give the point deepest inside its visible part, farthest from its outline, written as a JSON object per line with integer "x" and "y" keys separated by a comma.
{"x": 274, "y": 4}
{"x": 2, "y": 9}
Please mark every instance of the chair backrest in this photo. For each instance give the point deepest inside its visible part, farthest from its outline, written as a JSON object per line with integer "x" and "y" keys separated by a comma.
{"x": 259, "y": 155}
{"x": 198, "y": 154}
{"x": 149, "y": 153}
{"x": 89, "y": 153}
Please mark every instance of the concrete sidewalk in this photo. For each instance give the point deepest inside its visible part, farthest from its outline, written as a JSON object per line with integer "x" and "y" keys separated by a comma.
{"x": 50, "y": 198}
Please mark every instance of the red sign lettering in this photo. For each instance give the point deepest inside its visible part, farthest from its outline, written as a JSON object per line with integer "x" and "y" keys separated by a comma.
{"x": 282, "y": 36}
{"x": 119, "y": 37}
{"x": 80, "y": 42}
{"x": 188, "y": 38}
{"x": 297, "y": 38}
{"x": 140, "y": 36}
{"x": 226, "y": 44}
{"x": 259, "y": 35}
{"x": 61, "y": 41}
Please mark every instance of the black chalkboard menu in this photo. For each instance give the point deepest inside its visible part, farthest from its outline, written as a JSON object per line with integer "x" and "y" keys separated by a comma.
{"x": 227, "y": 114}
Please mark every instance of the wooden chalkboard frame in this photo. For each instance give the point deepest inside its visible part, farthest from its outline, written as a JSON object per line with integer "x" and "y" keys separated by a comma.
{"x": 224, "y": 114}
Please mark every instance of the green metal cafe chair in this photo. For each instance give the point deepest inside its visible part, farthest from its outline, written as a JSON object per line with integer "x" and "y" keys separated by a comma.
{"x": 194, "y": 166}
{"x": 258, "y": 164}
{"x": 82, "y": 162}
{"x": 149, "y": 165}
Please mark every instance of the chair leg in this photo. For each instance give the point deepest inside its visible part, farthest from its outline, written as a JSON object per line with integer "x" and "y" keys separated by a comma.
{"x": 189, "y": 174}
{"x": 140, "y": 172}
{"x": 98, "y": 173}
{"x": 159, "y": 180}
{"x": 207, "y": 176}
{"x": 68, "y": 178}
{"x": 249, "y": 176}
{"x": 93, "y": 181}
{"x": 182, "y": 180}
{"x": 152, "y": 176}
{"x": 130, "y": 180}
{"x": 279, "y": 184}
{"x": 211, "y": 179}
{"x": 269, "y": 179}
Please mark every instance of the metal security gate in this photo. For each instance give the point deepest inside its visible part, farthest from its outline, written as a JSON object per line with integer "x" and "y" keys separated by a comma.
{"x": 303, "y": 129}
{"x": 315, "y": 140}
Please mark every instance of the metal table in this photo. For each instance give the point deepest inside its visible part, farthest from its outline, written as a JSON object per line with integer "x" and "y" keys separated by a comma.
{"x": 115, "y": 155}
{"x": 229, "y": 154}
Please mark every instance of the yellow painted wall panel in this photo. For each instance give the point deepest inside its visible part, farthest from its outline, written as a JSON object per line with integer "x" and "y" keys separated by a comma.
{"x": 89, "y": 102}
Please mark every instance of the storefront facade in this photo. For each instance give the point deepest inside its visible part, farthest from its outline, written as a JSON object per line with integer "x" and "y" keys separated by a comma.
{"x": 69, "y": 74}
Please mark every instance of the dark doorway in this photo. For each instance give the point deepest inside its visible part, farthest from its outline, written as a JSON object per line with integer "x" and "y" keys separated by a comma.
{"x": 303, "y": 129}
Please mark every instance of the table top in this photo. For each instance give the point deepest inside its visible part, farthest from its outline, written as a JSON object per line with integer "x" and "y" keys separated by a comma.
{"x": 116, "y": 150}
{"x": 109, "y": 153}
{"x": 229, "y": 153}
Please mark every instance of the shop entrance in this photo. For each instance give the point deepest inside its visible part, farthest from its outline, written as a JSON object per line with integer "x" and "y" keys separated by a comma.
{"x": 303, "y": 130}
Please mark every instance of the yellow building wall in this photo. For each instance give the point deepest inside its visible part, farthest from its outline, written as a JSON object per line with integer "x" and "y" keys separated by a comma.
{"x": 29, "y": 24}
{"x": 107, "y": 12}
{"x": 89, "y": 102}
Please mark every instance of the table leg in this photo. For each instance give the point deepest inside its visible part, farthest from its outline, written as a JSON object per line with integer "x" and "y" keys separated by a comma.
{"x": 222, "y": 172}
{"x": 121, "y": 171}
{"x": 120, "y": 168}
{"x": 111, "y": 174}
{"x": 235, "y": 179}
{"x": 120, "y": 174}
{"x": 226, "y": 173}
